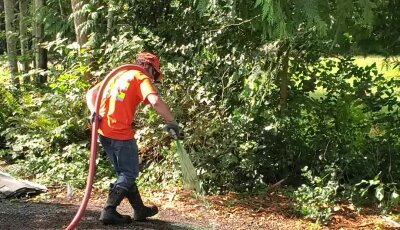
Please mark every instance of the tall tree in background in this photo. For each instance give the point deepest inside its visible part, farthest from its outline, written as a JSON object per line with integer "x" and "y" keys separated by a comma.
{"x": 110, "y": 19}
{"x": 23, "y": 36}
{"x": 3, "y": 45}
{"x": 11, "y": 36}
{"x": 79, "y": 19}
{"x": 40, "y": 52}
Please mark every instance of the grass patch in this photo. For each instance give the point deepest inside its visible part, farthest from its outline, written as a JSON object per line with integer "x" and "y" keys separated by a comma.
{"x": 385, "y": 66}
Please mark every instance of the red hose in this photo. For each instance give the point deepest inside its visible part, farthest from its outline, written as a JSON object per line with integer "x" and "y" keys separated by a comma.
{"x": 93, "y": 143}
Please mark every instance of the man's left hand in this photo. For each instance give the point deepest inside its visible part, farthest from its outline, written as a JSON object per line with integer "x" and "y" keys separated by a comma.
{"x": 172, "y": 128}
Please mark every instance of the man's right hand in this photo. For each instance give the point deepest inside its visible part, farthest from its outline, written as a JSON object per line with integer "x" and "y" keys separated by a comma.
{"x": 93, "y": 116}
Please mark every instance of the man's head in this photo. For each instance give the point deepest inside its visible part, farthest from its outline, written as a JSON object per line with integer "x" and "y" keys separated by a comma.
{"x": 151, "y": 64}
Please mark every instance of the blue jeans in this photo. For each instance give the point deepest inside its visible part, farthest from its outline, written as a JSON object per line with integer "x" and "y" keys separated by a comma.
{"x": 123, "y": 155}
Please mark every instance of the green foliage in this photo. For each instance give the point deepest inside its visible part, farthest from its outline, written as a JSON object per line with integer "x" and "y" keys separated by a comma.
{"x": 283, "y": 19}
{"x": 315, "y": 199}
{"x": 386, "y": 195}
{"x": 9, "y": 105}
{"x": 114, "y": 53}
{"x": 356, "y": 103}
{"x": 47, "y": 135}
{"x": 208, "y": 113}
{"x": 223, "y": 80}
{"x": 163, "y": 172}
{"x": 346, "y": 116}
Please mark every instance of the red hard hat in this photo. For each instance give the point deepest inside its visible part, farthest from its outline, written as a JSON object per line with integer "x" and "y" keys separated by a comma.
{"x": 148, "y": 57}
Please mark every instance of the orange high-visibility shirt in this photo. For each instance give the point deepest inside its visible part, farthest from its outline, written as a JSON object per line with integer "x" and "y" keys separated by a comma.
{"x": 124, "y": 92}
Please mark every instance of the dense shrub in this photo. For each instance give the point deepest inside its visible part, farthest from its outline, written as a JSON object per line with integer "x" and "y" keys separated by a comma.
{"x": 47, "y": 133}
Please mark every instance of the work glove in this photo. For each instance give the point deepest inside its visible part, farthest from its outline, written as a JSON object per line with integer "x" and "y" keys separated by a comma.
{"x": 172, "y": 128}
{"x": 93, "y": 116}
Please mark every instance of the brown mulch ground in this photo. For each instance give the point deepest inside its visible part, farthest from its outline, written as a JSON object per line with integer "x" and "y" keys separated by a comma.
{"x": 179, "y": 210}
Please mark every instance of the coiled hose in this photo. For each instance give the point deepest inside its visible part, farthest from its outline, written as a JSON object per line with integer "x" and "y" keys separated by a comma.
{"x": 93, "y": 143}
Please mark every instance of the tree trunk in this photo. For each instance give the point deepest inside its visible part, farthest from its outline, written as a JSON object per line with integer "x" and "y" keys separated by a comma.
{"x": 3, "y": 45}
{"x": 23, "y": 36}
{"x": 11, "y": 37}
{"x": 81, "y": 36}
{"x": 283, "y": 77}
{"x": 110, "y": 17}
{"x": 79, "y": 19}
{"x": 40, "y": 53}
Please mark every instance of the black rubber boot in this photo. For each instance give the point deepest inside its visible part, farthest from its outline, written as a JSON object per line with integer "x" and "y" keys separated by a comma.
{"x": 109, "y": 214}
{"x": 140, "y": 211}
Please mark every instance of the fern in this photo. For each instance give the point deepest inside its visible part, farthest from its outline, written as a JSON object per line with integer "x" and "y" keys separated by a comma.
{"x": 310, "y": 9}
{"x": 274, "y": 16}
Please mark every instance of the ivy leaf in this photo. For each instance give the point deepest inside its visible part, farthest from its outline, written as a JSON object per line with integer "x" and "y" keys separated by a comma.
{"x": 379, "y": 193}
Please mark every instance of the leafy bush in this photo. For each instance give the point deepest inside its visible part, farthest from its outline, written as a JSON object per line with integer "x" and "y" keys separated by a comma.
{"x": 315, "y": 199}
{"x": 163, "y": 172}
{"x": 374, "y": 191}
{"x": 48, "y": 135}
{"x": 10, "y": 108}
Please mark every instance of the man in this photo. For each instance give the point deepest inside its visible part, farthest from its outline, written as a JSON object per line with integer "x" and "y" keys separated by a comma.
{"x": 124, "y": 92}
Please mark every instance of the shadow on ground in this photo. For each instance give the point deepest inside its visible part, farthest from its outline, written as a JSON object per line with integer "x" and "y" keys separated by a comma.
{"x": 30, "y": 215}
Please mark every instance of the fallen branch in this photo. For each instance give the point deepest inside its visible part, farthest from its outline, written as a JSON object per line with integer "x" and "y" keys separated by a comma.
{"x": 273, "y": 187}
